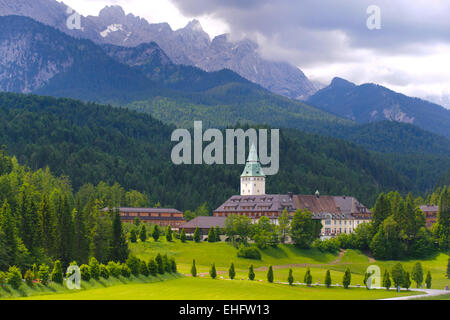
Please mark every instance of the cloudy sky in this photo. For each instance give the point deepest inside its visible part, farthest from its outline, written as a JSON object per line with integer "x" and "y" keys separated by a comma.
{"x": 325, "y": 38}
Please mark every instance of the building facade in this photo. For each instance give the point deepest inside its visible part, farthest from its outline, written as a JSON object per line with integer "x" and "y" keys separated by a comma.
{"x": 159, "y": 216}
{"x": 338, "y": 214}
{"x": 431, "y": 213}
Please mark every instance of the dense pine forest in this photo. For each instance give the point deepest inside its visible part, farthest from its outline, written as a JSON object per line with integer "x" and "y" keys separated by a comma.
{"x": 92, "y": 143}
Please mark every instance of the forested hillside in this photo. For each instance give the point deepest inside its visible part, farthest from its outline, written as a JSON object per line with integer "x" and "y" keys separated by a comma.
{"x": 93, "y": 143}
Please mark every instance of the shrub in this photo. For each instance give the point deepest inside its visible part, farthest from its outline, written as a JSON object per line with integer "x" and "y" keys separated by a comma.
{"x": 270, "y": 274}
{"x": 114, "y": 269}
{"x": 328, "y": 279}
{"x": 44, "y": 274}
{"x": 125, "y": 271}
{"x": 29, "y": 278}
{"x": 14, "y": 277}
{"x": 213, "y": 272}
{"x": 134, "y": 264}
{"x": 251, "y": 273}
{"x": 194, "y": 269}
{"x": 347, "y": 278}
{"x": 94, "y": 267}
{"x": 2, "y": 278}
{"x": 331, "y": 245}
{"x": 57, "y": 273}
{"x": 308, "y": 277}
{"x": 85, "y": 272}
{"x": 290, "y": 277}
{"x": 104, "y": 273}
{"x": 152, "y": 268}
{"x": 249, "y": 252}
{"x": 143, "y": 269}
{"x": 232, "y": 272}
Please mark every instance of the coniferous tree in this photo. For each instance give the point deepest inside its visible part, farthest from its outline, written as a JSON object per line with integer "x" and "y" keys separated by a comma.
{"x": 448, "y": 269}
{"x": 143, "y": 233}
{"x": 152, "y": 267}
{"x": 212, "y": 271}
{"x": 386, "y": 280}
{"x": 173, "y": 265}
{"x": 81, "y": 242}
{"x": 398, "y": 274}
{"x": 94, "y": 268}
{"x": 284, "y": 226}
{"x": 328, "y": 279}
{"x": 64, "y": 229}
{"x": 197, "y": 235}
{"x": 119, "y": 247}
{"x": 194, "y": 269}
{"x": 156, "y": 233}
{"x": 407, "y": 280}
{"x": 46, "y": 223}
{"x": 231, "y": 271}
{"x": 132, "y": 236}
{"x": 85, "y": 272}
{"x": 443, "y": 220}
{"x": 169, "y": 234}
{"x": 8, "y": 231}
{"x": 211, "y": 235}
{"x": 347, "y": 278}
{"x": 251, "y": 273}
{"x": 270, "y": 275}
{"x": 183, "y": 236}
{"x": 417, "y": 274}
{"x": 428, "y": 280}
{"x": 104, "y": 273}
{"x": 159, "y": 263}
{"x": 290, "y": 277}
{"x": 166, "y": 264}
{"x": 57, "y": 273}
{"x": 217, "y": 233}
{"x": 308, "y": 277}
{"x": 14, "y": 277}
{"x": 44, "y": 274}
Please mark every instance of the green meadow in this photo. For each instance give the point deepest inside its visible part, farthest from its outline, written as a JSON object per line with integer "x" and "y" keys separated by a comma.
{"x": 282, "y": 258}
{"x": 208, "y": 289}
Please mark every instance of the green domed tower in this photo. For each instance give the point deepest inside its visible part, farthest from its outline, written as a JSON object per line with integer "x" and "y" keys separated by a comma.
{"x": 253, "y": 179}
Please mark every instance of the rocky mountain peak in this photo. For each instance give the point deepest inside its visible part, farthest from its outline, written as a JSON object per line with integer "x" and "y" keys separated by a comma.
{"x": 339, "y": 82}
{"x": 112, "y": 12}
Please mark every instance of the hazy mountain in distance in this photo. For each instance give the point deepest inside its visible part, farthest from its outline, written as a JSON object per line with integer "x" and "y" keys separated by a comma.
{"x": 371, "y": 103}
{"x": 189, "y": 46}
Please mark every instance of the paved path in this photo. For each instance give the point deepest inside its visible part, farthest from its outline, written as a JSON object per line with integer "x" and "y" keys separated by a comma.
{"x": 427, "y": 293}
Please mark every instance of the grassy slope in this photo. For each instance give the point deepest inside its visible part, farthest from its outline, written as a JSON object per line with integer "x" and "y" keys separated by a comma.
{"x": 284, "y": 257}
{"x": 48, "y": 292}
{"x": 207, "y": 289}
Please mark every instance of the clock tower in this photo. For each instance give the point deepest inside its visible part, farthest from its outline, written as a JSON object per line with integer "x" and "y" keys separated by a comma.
{"x": 253, "y": 179}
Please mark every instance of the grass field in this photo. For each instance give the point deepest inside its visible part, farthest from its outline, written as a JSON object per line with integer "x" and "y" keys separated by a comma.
{"x": 208, "y": 289}
{"x": 282, "y": 258}
{"x": 443, "y": 297}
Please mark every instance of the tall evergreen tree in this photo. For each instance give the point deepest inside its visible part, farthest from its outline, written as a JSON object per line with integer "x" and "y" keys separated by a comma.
{"x": 386, "y": 280}
{"x": 251, "y": 273}
{"x": 213, "y": 272}
{"x": 119, "y": 246}
{"x": 417, "y": 274}
{"x": 64, "y": 228}
{"x": 270, "y": 274}
{"x": 81, "y": 240}
{"x": 183, "y": 236}
{"x": 347, "y": 278}
{"x": 231, "y": 271}
{"x": 381, "y": 211}
{"x": 211, "y": 235}
{"x": 328, "y": 279}
{"x": 47, "y": 226}
{"x": 428, "y": 280}
{"x": 194, "y": 269}
{"x": 290, "y": 277}
{"x": 197, "y": 235}
{"x": 443, "y": 220}
{"x": 169, "y": 234}
{"x": 156, "y": 233}
{"x": 308, "y": 277}
{"x": 143, "y": 233}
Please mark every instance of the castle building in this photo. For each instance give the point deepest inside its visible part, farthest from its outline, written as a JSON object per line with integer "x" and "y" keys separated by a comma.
{"x": 338, "y": 214}
{"x": 160, "y": 216}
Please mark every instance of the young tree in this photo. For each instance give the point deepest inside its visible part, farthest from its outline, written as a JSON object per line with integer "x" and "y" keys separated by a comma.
{"x": 134, "y": 264}
{"x": 29, "y": 278}
{"x": 308, "y": 277}
{"x": 169, "y": 234}
{"x": 183, "y": 236}
{"x": 156, "y": 233}
{"x": 328, "y": 279}
{"x": 197, "y": 235}
{"x": 262, "y": 232}
{"x": 14, "y": 277}
{"x": 143, "y": 269}
{"x": 386, "y": 280}
{"x": 137, "y": 221}
{"x": 347, "y": 278}
{"x": 443, "y": 220}
{"x": 448, "y": 269}
{"x": 398, "y": 274}
{"x": 94, "y": 268}
{"x": 159, "y": 264}
{"x": 173, "y": 265}
{"x": 166, "y": 263}
{"x": 57, "y": 273}
{"x": 290, "y": 277}
{"x": 251, "y": 273}
{"x": 212, "y": 271}
{"x": 231, "y": 271}
{"x": 407, "y": 281}
{"x": 152, "y": 268}
{"x": 211, "y": 235}
{"x": 417, "y": 274}
{"x": 104, "y": 273}
{"x": 270, "y": 275}
{"x": 44, "y": 274}
{"x": 284, "y": 226}
{"x": 428, "y": 280}
{"x": 143, "y": 233}
{"x": 194, "y": 269}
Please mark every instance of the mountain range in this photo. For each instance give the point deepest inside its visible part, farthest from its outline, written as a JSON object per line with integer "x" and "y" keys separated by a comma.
{"x": 188, "y": 46}
{"x": 370, "y": 102}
